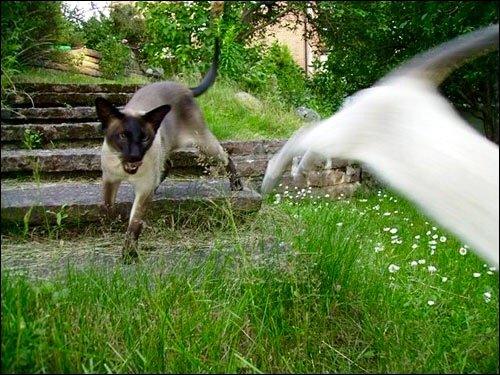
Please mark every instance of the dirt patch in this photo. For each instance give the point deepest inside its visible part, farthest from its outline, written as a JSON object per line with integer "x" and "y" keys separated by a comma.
{"x": 45, "y": 258}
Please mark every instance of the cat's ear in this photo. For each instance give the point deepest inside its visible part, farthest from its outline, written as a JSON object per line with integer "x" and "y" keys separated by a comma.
{"x": 106, "y": 112}
{"x": 156, "y": 116}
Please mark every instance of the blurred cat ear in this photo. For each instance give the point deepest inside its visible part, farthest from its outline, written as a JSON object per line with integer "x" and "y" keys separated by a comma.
{"x": 156, "y": 116}
{"x": 106, "y": 112}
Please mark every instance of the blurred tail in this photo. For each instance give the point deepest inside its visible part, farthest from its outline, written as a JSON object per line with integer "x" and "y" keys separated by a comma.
{"x": 211, "y": 75}
{"x": 437, "y": 63}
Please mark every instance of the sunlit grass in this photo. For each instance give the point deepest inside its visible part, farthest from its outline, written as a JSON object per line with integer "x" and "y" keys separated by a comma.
{"x": 42, "y": 75}
{"x": 309, "y": 285}
{"x": 227, "y": 118}
{"x": 351, "y": 285}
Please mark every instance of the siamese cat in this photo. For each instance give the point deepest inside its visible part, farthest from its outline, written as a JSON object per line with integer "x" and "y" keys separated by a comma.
{"x": 138, "y": 140}
{"x": 412, "y": 137}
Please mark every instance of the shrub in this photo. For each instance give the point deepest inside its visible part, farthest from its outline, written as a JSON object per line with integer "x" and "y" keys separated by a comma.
{"x": 115, "y": 57}
{"x": 176, "y": 34}
{"x": 101, "y": 34}
{"x": 290, "y": 77}
{"x": 28, "y": 28}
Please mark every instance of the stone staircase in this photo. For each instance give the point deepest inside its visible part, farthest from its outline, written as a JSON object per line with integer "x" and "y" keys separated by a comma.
{"x": 63, "y": 171}
{"x": 50, "y": 161}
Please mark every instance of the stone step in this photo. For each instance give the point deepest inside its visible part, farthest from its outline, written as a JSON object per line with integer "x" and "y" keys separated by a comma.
{"x": 63, "y": 95}
{"x": 50, "y": 99}
{"x": 48, "y": 115}
{"x": 85, "y": 163}
{"x": 92, "y": 88}
{"x": 15, "y": 133}
{"x": 89, "y": 160}
{"x": 82, "y": 201}
{"x": 250, "y": 159}
{"x": 76, "y": 126}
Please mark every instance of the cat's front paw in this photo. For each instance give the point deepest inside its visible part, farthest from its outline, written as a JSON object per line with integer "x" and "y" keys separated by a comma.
{"x": 235, "y": 184}
{"x": 110, "y": 212}
{"x": 130, "y": 251}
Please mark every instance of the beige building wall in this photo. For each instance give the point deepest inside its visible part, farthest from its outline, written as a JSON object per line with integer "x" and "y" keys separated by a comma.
{"x": 292, "y": 38}
{"x": 301, "y": 48}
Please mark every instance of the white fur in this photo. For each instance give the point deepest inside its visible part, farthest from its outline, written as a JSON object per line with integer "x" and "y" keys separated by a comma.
{"x": 413, "y": 139}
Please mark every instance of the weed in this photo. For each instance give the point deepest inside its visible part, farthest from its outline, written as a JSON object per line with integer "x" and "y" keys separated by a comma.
{"x": 32, "y": 139}
{"x": 60, "y": 216}
{"x": 26, "y": 222}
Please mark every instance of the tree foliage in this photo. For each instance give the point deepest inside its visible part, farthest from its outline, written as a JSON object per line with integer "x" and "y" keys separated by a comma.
{"x": 109, "y": 36}
{"x": 181, "y": 34}
{"x": 28, "y": 27}
{"x": 365, "y": 40}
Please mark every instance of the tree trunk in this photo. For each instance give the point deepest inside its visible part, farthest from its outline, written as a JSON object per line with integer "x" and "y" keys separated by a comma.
{"x": 489, "y": 111}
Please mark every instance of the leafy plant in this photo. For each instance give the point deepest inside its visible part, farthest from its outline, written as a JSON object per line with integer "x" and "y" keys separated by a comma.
{"x": 26, "y": 222}
{"x": 232, "y": 59}
{"x": 60, "y": 216}
{"x": 114, "y": 57}
{"x": 101, "y": 35}
{"x": 32, "y": 139}
{"x": 28, "y": 29}
{"x": 365, "y": 40}
{"x": 177, "y": 33}
{"x": 290, "y": 77}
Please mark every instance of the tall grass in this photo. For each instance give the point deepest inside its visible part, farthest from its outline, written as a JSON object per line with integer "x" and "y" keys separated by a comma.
{"x": 354, "y": 285}
{"x": 310, "y": 284}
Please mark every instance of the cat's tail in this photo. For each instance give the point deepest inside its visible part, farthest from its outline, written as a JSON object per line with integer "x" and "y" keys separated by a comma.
{"x": 437, "y": 63}
{"x": 211, "y": 75}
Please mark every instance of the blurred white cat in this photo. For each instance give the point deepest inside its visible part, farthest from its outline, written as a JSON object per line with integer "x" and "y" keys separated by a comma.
{"x": 414, "y": 140}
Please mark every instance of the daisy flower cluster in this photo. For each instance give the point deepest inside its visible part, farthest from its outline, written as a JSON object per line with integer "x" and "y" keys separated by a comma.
{"x": 408, "y": 248}
{"x": 295, "y": 196}
{"x": 422, "y": 248}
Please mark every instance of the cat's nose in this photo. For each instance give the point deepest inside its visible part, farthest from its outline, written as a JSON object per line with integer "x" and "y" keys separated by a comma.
{"x": 134, "y": 154}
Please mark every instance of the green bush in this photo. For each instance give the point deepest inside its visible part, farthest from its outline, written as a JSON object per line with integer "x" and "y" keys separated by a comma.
{"x": 290, "y": 77}
{"x": 242, "y": 64}
{"x": 115, "y": 57}
{"x": 128, "y": 24}
{"x": 28, "y": 29}
{"x": 102, "y": 35}
{"x": 177, "y": 34}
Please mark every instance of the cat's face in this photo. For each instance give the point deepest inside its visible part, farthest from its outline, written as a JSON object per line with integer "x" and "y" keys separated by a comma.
{"x": 131, "y": 136}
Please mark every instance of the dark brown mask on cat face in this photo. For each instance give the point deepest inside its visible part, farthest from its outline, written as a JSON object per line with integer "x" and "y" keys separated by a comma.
{"x": 130, "y": 135}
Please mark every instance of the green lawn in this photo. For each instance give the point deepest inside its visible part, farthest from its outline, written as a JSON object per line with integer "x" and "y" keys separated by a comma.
{"x": 42, "y": 75}
{"x": 359, "y": 285}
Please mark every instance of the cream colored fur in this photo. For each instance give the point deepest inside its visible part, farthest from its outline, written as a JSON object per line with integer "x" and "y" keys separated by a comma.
{"x": 414, "y": 140}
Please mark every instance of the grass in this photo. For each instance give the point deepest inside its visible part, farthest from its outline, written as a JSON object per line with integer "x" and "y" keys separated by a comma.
{"x": 229, "y": 119}
{"x": 307, "y": 285}
{"x": 42, "y": 75}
